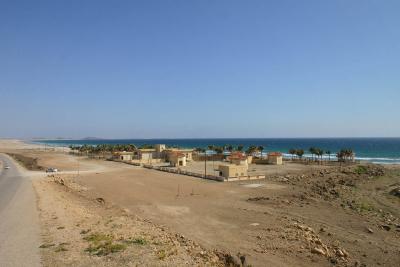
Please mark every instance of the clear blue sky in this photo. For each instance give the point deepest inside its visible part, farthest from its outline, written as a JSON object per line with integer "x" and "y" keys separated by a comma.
{"x": 148, "y": 69}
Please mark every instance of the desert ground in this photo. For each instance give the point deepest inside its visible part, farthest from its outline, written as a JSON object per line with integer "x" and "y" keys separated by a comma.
{"x": 96, "y": 212}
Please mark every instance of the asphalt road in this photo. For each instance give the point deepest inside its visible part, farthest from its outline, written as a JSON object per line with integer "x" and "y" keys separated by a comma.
{"x": 19, "y": 221}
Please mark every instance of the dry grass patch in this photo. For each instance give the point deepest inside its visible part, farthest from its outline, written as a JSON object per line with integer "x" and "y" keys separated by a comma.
{"x": 102, "y": 244}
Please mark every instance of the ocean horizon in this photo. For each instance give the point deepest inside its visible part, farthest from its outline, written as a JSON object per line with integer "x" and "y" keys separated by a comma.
{"x": 376, "y": 150}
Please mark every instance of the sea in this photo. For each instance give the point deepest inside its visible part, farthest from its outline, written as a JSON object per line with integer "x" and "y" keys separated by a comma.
{"x": 375, "y": 150}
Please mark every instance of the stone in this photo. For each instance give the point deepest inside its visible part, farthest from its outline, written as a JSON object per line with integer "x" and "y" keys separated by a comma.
{"x": 318, "y": 251}
{"x": 395, "y": 192}
{"x": 242, "y": 259}
{"x": 342, "y": 253}
{"x": 100, "y": 200}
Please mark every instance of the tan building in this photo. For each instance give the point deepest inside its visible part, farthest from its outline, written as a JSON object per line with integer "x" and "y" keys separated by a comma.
{"x": 160, "y": 147}
{"x": 232, "y": 170}
{"x": 187, "y": 152}
{"x": 160, "y": 153}
{"x": 149, "y": 154}
{"x": 177, "y": 159}
{"x": 124, "y": 156}
{"x": 146, "y": 154}
{"x": 275, "y": 158}
{"x": 238, "y": 158}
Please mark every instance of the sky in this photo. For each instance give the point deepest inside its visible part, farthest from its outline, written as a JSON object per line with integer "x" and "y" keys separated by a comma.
{"x": 199, "y": 69}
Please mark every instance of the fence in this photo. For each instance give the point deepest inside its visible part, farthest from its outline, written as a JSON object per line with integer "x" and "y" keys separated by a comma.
{"x": 182, "y": 172}
{"x": 215, "y": 157}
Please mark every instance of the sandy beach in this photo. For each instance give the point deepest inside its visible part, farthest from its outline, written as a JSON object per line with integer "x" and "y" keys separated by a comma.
{"x": 300, "y": 216}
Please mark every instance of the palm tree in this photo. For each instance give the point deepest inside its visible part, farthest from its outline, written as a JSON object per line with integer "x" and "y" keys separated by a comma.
{"x": 299, "y": 153}
{"x": 240, "y": 147}
{"x": 199, "y": 149}
{"x": 131, "y": 148}
{"x": 146, "y": 146}
{"x": 251, "y": 150}
{"x": 312, "y": 151}
{"x": 292, "y": 151}
{"x": 260, "y": 149}
{"x": 218, "y": 150}
{"x": 319, "y": 152}
{"x": 340, "y": 155}
{"x": 328, "y": 152}
{"x": 348, "y": 154}
{"x": 351, "y": 154}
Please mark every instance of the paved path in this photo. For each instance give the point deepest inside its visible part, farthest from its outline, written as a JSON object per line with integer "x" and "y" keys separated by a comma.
{"x": 19, "y": 221}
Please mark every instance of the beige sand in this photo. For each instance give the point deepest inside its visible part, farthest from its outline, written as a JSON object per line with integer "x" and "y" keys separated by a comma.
{"x": 313, "y": 218}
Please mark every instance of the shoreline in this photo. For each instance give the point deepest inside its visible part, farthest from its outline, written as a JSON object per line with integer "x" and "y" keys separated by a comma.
{"x": 360, "y": 156}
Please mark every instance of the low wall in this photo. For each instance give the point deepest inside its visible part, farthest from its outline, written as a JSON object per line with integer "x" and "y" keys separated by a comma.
{"x": 182, "y": 172}
{"x": 260, "y": 161}
{"x": 127, "y": 162}
{"x": 209, "y": 177}
{"x": 246, "y": 178}
{"x": 216, "y": 157}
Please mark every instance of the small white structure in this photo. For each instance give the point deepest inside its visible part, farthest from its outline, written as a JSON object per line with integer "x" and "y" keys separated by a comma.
{"x": 124, "y": 156}
{"x": 177, "y": 159}
{"x": 275, "y": 158}
{"x": 146, "y": 154}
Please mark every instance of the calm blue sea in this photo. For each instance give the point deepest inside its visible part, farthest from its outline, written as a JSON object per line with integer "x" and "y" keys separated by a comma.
{"x": 377, "y": 150}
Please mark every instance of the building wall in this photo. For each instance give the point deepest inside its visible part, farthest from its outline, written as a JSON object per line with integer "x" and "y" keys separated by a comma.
{"x": 123, "y": 156}
{"x": 231, "y": 171}
{"x": 160, "y": 148}
{"x": 177, "y": 161}
{"x": 276, "y": 160}
{"x": 148, "y": 161}
{"x": 188, "y": 153}
{"x": 126, "y": 157}
{"x": 239, "y": 161}
{"x": 189, "y": 156}
{"x": 148, "y": 155}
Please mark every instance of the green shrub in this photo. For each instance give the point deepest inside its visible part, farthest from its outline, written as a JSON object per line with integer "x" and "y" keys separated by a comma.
{"x": 105, "y": 248}
{"x": 138, "y": 241}
{"x": 361, "y": 169}
{"x": 102, "y": 244}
